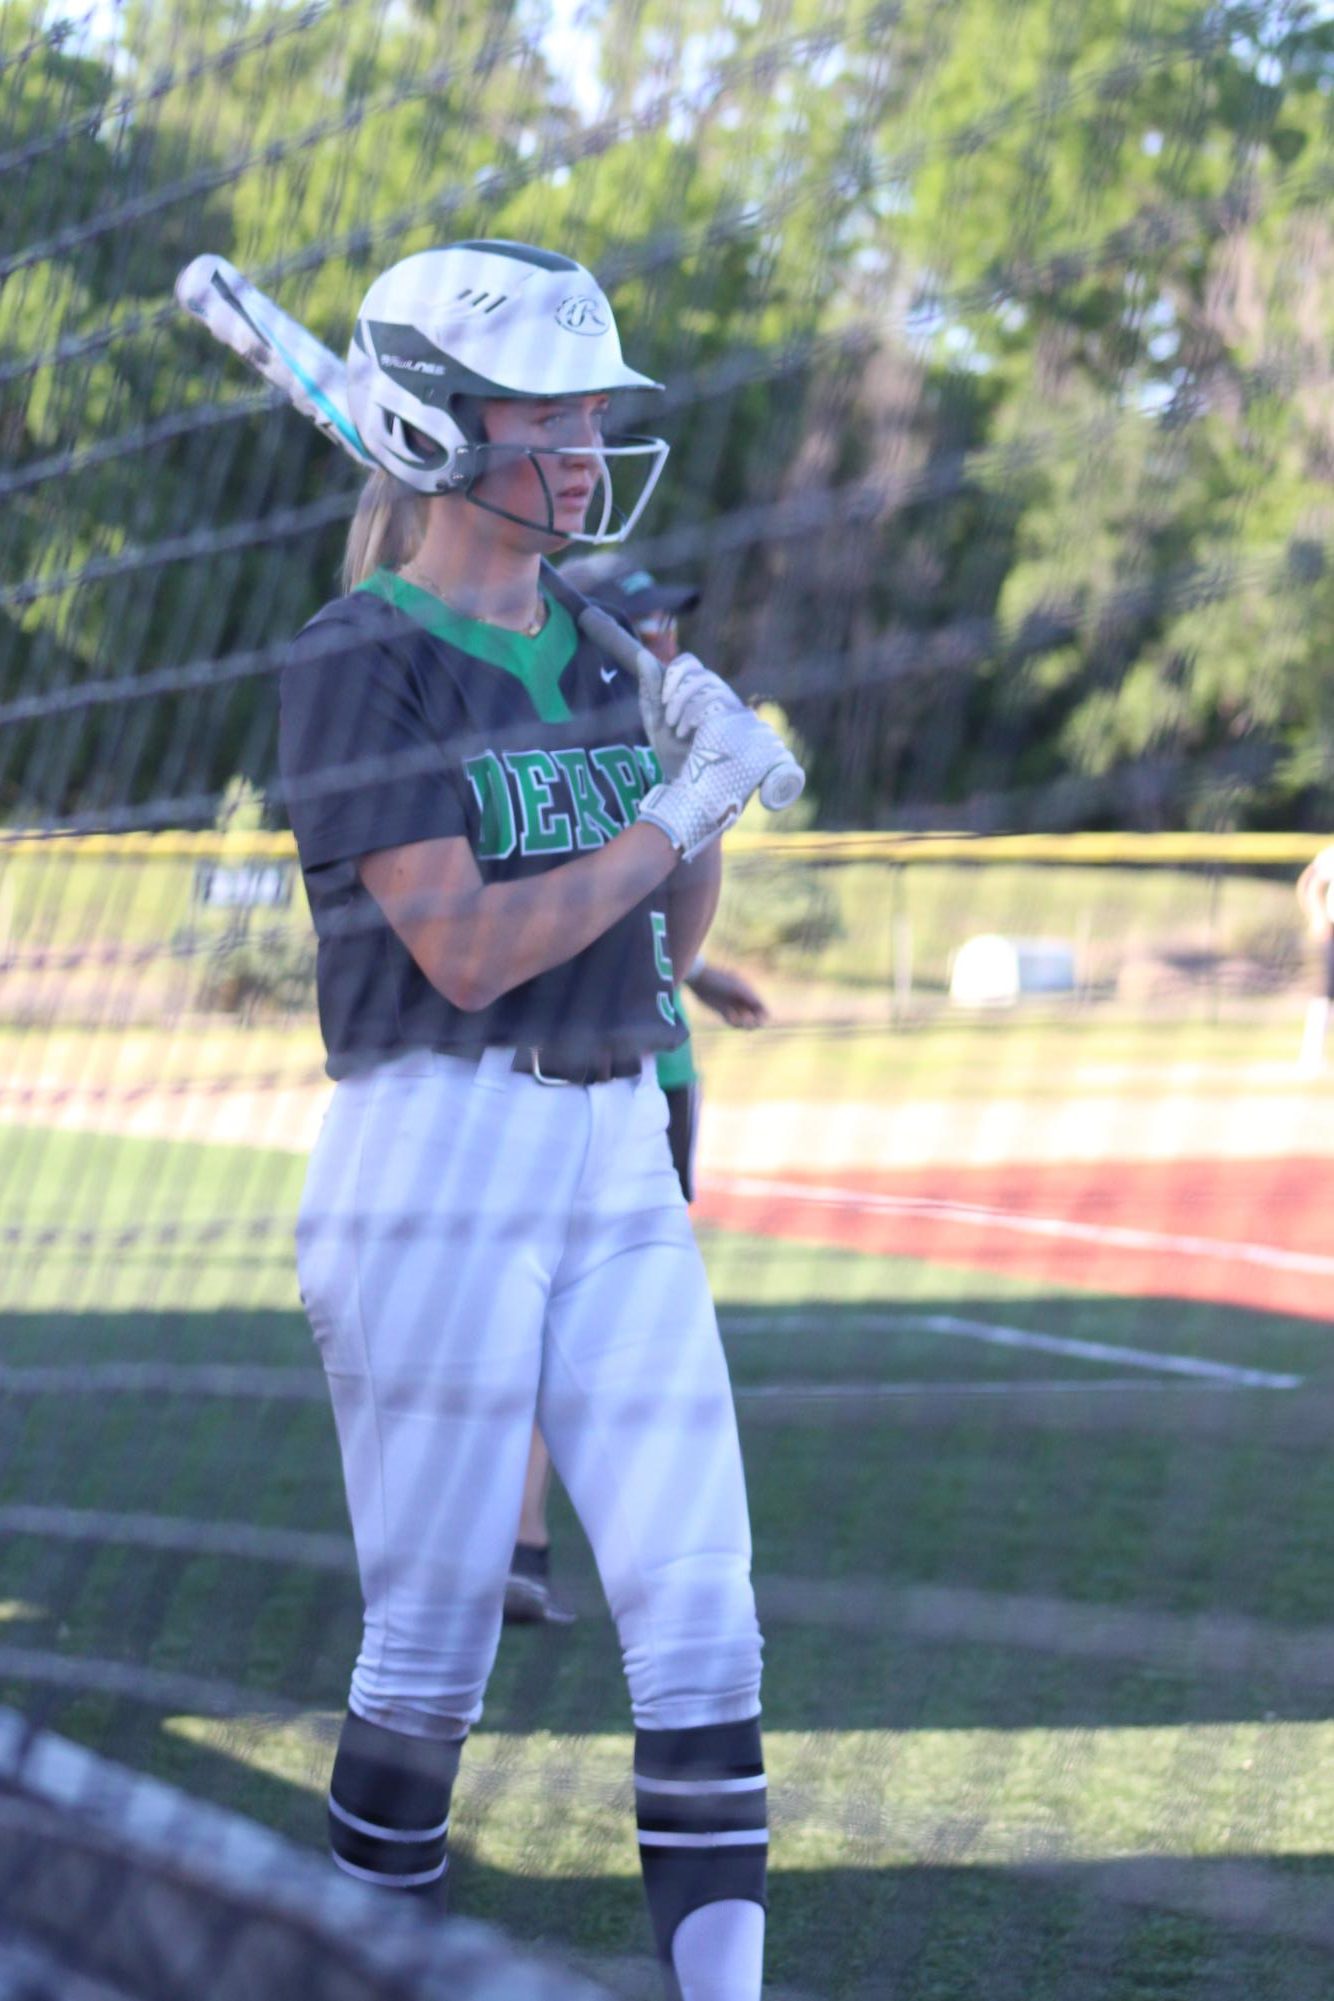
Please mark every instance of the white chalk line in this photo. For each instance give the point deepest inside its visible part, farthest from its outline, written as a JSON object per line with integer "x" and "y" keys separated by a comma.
{"x": 952, "y": 1386}
{"x": 1197, "y": 1368}
{"x": 974, "y": 1216}
{"x": 1194, "y": 1366}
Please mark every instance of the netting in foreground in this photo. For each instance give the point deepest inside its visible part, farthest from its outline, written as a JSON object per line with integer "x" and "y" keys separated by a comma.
{"x": 114, "y": 1887}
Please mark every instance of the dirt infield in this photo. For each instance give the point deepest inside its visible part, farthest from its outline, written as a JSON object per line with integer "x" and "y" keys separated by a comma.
{"x": 1156, "y": 1114}
{"x": 1155, "y": 1117}
{"x": 1235, "y": 1232}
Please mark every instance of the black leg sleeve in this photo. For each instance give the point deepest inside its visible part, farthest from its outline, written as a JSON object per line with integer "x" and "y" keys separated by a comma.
{"x": 389, "y": 1805}
{"x": 701, "y": 1805}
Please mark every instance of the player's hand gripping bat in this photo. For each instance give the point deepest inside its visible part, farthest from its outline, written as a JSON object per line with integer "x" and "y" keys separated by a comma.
{"x": 314, "y": 381}
{"x": 784, "y": 784}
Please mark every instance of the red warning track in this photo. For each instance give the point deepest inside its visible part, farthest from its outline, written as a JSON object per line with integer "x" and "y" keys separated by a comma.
{"x": 1251, "y": 1233}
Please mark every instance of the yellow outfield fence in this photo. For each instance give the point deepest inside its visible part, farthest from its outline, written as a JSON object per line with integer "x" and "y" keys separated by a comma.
{"x": 152, "y": 926}
{"x": 1125, "y": 850}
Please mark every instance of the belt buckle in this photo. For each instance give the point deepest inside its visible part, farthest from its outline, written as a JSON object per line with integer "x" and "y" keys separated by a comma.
{"x": 540, "y": 1076}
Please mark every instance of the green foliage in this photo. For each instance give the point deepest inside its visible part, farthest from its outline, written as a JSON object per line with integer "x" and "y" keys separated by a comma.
{"x": 247, "y": 973}
{"x": 1107, "y": 227}
{"x": 997, "y": 333}
{"x": 241, "y": 807}
{"x": 776, "y": 913}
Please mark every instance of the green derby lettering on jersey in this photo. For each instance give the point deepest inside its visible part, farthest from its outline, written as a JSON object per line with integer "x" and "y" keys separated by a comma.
{"x": 593, "y": 823}
{"x": 620, "y": 767}
{"x": 487, "y": 777}
{"x": 544, "y": 830}
{"x": 550, "y": 802}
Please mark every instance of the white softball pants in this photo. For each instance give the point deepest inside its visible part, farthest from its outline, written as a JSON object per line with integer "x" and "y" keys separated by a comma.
{"x": 477, "y": 1250}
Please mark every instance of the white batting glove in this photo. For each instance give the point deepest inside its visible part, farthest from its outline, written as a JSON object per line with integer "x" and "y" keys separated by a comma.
{"x": 674, "y": 701}
{"x": 691, "y": 691}
{"x": 730, "y": 756}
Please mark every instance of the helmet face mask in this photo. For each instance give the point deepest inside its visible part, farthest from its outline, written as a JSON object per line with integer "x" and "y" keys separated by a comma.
{"x": 615, "y": 520}
{"x": 448, "y": 330}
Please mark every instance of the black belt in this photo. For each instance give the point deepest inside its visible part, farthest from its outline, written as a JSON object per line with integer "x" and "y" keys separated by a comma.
{"x": 595, "y": 1066}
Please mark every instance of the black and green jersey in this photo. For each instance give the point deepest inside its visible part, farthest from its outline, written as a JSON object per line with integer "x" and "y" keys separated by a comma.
{"x": 402, "y": 721}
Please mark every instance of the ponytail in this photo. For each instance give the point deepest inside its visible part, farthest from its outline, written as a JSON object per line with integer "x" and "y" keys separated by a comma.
{"x": 386, "y": 530}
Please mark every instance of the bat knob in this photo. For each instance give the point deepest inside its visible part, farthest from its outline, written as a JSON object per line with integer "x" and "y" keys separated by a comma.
{"x": 784, "y": 786}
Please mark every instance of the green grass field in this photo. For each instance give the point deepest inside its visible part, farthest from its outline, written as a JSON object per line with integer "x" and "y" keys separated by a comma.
{"x": 997, "y": 1685}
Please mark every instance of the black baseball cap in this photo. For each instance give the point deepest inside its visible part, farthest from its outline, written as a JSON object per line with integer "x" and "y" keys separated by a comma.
{"x": 635, "y": 594}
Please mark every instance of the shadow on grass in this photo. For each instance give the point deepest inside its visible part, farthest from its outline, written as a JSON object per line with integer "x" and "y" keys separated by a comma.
{"x": 973, "y": 1553}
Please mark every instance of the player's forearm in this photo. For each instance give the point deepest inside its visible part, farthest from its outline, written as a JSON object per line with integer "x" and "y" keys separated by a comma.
{"x": 507, "y": 932}
{"x": 692, "y": 900}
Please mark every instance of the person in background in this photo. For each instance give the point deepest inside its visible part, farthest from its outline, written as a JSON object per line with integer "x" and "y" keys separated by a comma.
{"x": 1315, "y": 893}
{"x": 653, "y": 609}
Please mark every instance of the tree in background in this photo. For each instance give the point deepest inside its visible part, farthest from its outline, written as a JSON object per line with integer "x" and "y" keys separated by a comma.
{"x": 997, "y": 342}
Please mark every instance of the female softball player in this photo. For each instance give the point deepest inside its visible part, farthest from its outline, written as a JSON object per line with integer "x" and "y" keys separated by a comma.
{"x": 502, "y": 859}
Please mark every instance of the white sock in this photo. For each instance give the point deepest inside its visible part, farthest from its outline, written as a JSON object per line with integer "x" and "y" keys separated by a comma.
{"x": 718, "y": 1951}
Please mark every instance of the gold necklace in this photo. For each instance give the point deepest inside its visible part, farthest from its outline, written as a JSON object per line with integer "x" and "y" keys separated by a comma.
{"x": 528, "y": 631}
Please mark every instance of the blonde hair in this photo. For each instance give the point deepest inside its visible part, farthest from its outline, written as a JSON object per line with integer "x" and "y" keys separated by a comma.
{"x": 386, "y": 530}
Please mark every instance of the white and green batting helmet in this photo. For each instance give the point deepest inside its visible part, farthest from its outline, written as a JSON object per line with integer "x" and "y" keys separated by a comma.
{"x": 447, "y": 329}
